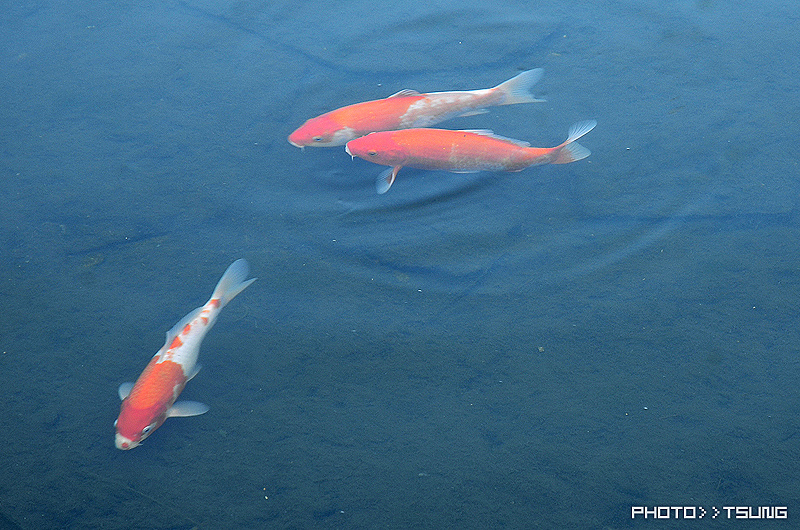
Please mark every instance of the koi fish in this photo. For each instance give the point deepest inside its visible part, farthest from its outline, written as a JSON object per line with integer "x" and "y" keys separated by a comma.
{"x": 460, "y": 151}
{"x": 151, "y": 400}
{"x": 408, "y": 108}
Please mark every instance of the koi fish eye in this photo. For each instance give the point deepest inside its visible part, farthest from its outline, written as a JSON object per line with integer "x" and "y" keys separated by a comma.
{"x": 372, "y": 153}
{"x": 317, "y": 138}
{"x": 147, "y": 429}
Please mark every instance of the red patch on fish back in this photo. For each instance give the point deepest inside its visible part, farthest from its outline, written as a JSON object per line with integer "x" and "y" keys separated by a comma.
{"x": 156, "y": 384}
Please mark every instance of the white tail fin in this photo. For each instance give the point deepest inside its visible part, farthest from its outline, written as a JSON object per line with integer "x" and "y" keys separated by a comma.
{"x": 571, "y": 153}
{"x": 518, "y": 88}
{"x": 579, "y": 129}
{"x": 233, "y": 281}
{"x": 570, "y": 150}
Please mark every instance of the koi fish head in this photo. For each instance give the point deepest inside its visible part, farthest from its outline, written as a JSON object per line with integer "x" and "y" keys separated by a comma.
{"x": 322, "y": 131}
{"x": 134, "y": 425}
{"x": 145, "y": 404}
{"x": 378, "y": 147}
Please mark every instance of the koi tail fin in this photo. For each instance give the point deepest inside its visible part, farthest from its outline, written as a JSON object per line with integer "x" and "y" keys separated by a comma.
{"x": 518, "y": 88}
{"x": 233, "y": 282}
{"x": 570, "y": 150}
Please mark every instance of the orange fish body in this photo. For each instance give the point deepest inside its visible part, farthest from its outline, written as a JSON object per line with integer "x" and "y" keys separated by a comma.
{"x": 407, "y": 109}
{"x": 151, "y": 399}
{"x": 460, "y": 151}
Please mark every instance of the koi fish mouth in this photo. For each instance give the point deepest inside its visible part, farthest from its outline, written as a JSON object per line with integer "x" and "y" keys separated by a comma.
{"x": 124, "y": 443}
{"x": 347, "y": 150}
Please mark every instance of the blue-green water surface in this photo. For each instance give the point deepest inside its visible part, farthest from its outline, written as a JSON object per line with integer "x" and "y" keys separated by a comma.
{"x": 545, "y": 349}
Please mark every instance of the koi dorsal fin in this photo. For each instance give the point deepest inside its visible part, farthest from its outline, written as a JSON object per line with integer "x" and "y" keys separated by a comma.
{"x": 405, "y": 92}
{"x": 490, "y": 134}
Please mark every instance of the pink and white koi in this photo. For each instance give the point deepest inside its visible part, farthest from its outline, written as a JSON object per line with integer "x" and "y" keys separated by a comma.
{"x": 410, "y": 109}
{"x": 151, "y": 399}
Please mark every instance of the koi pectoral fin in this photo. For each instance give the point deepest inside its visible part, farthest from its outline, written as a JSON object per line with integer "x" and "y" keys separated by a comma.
{"x": 193, "y": 372}
{"x": 124, "y": 390}
{"x": 386, "y": 179}
{"x": 183, "y": 409}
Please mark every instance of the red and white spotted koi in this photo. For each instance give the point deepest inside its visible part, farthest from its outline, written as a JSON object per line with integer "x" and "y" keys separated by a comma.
{"x": 151, "y": 400}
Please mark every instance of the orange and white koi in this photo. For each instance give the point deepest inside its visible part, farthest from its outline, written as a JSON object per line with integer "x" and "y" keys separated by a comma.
{"x": 460, "y": 151}
{"x": 408, "y": 109}
{"x": 151, "y": 400}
